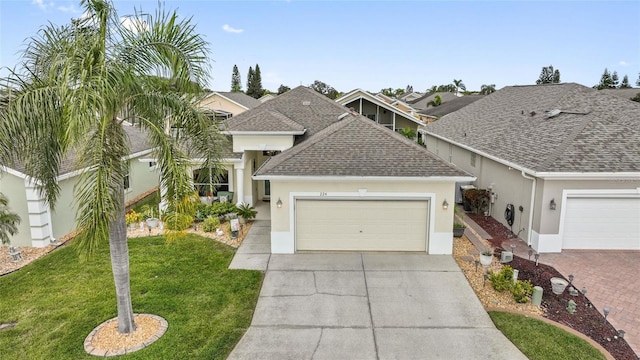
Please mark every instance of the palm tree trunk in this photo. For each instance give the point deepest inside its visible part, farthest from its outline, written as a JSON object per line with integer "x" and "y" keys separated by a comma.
{"x": 120, "y": 266}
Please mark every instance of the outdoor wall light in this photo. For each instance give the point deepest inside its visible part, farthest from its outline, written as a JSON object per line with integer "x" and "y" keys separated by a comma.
{"x": 606, "y": 312}
{"x": 552, "y": 204}
{"x": 445, "y": 204}
{"x": 279, "y": 203}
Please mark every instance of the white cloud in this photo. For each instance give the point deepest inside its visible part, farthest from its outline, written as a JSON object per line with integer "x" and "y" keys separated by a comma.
{"x": 69, "y": 9}
{"x": 229, "y": 29}
{"x": 134, "y": 24}
{"x": 42, "y": 4}
{"x": 623, "y": 63}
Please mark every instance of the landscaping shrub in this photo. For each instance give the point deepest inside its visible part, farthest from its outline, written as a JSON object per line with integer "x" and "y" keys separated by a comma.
{"x": 502, "y": 280}
{"x": 210, "y": 224}
{"x": 220, "y": 208}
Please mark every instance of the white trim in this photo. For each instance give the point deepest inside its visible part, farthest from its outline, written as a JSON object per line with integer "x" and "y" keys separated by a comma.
{"x": 75, "y": 173}
{"x": 543, "y": 174}
{"x": 481, "y": 153}
{"x": 13, "y": 172}
{"x": 285, "y": 243}
{"x": 263, "y": 147}
{"x": 364, "y": 178}
{"x": 377, "y": 101}
{"x": 254, "y": 132}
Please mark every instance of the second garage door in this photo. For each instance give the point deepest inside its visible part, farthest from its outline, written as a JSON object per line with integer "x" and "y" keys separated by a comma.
{"x": 361, "y": 225}
{"x": 602, "y": 223}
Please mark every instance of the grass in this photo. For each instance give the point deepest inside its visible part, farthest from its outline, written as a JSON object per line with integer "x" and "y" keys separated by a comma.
{"x": 57, "y": 300}
{"x": 541, "y": 341}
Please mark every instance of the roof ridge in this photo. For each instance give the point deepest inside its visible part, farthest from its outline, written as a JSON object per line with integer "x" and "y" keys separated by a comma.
{"x": 314, "y": 139}
{"x": 284, "y": 118}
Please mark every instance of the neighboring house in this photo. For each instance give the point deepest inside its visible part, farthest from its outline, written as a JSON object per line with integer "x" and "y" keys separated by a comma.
{"x": 566, "y": 156}
{"x": 435, "y": 112}
{"x": 379, "y": 110}
{"x": 226, "y": 104}
{"x": 267, "y": 97}
{"x": 423, "y": 101}
{"x": 41, "y": 224}
{"x": 338, "y": 181}
{"x": 408, "y": 97}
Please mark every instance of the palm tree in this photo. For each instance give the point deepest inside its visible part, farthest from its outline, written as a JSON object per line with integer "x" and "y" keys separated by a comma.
{"x": 459, "y": 85}
{"x": 8, "y": 221}
{"x": 487, "y": 89}
{"x": 437, "y": 101}
{"x": 76, "y": 86}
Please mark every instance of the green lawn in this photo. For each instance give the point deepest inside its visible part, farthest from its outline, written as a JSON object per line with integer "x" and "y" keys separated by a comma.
{"x": 58, "y": 300}
{"x": 541, "y": 341}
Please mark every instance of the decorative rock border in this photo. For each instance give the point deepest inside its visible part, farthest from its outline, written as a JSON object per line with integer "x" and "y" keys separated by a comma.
{"x": 102, "y": 353}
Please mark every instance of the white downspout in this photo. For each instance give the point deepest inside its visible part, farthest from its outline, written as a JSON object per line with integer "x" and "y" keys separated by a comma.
{"x": 533, "y": 199}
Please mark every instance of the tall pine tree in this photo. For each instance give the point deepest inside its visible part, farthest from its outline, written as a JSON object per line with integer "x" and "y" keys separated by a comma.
{"x": 250, "y": 75}
{"x": 254, "y": 87}
{"x": 625, "y": 83}
{"x": 236, "y": 83}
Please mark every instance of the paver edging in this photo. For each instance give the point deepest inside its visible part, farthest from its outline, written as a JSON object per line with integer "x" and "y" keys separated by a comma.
{"x": 592, "y": 342}
{"x": 117, "y": 352}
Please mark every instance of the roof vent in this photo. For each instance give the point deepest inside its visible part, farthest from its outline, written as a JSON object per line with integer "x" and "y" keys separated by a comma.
{"x": 533, "y": 113}
{"x": 553, "y": 113}
{"x": 306, "y": 103}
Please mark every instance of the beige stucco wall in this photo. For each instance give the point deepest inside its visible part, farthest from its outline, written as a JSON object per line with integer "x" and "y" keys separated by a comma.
{"x": 404, "y": 123}
{"x": 281, "y": 190}
{"x": 262, "y": 142}
{"x": 13, "y": 188}
{"x": 216, "y": 102}
{"x": 552, "y": 189}
{"x": 63, "y": 217}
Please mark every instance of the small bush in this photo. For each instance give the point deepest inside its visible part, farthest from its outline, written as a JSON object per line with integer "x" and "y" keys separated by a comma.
{"x": 210, "y": 224}
{"x": 521, "y": 291}
{"x": 219, "y": 209}
{"x": 502, "y": 280}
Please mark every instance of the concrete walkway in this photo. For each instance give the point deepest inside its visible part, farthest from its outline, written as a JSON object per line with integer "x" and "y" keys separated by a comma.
{"x": 364, "y": 306}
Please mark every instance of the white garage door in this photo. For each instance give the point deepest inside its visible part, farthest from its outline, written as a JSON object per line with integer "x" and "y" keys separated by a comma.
{"x": 361, "y": 225}
{"x": 602, "y": 223}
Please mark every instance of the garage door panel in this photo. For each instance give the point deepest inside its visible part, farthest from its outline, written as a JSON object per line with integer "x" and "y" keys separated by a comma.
{"x": 602, "y": 223}
{"x": 356, "y": 225}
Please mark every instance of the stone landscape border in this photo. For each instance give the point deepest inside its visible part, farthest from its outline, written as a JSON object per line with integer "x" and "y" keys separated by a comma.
{"x": 102, "y": 353}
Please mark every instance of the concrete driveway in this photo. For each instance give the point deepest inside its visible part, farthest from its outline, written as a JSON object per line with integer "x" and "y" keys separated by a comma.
{"x": 369, "y": 306}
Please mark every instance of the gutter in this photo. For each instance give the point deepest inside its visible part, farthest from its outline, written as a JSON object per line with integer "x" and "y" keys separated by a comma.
{"x": 533, "y": 199}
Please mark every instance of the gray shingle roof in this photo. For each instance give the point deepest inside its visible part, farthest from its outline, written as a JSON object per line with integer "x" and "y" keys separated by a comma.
{"x": 301, "y": 105}
{"x": 241, "y": 98}
{"x": 595, "y": 132}
{"x": 264, "y": 120}
{"x": 623, "y": 93}
{"x": 422, "y": 102}
{"x": 451, "y": 106}
{"x": 356, "y": 146}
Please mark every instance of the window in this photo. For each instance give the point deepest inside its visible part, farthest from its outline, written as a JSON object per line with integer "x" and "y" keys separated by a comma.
{"x": 152, "y": 165}
{"x": 473, "y": 159}
{"x": 127, "y": 180}
{"x": 206, "y": 183}
{"x": 372, "y": 117}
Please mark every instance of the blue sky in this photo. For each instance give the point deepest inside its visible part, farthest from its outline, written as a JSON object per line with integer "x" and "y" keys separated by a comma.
{"x": 378, "y": 44}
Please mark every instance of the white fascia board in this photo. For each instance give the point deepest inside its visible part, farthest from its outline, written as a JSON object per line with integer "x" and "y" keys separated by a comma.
{"x": 222, "y": 161}
{"x": 589, "y": 176}
{"x": 80, "y": 171}
{"x": 138, "y": 154}
{"x": 383, "y": 104}
{"x": 300, "y": 132}
{"x": 237, "y": 103}
{"x": 13, "y": 172}
{"x": 365, "y": 178}
{"x": 482, "y": 153}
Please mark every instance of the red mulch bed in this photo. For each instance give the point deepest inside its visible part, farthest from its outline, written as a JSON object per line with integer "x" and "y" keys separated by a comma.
{"x": 586, "y": 320}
